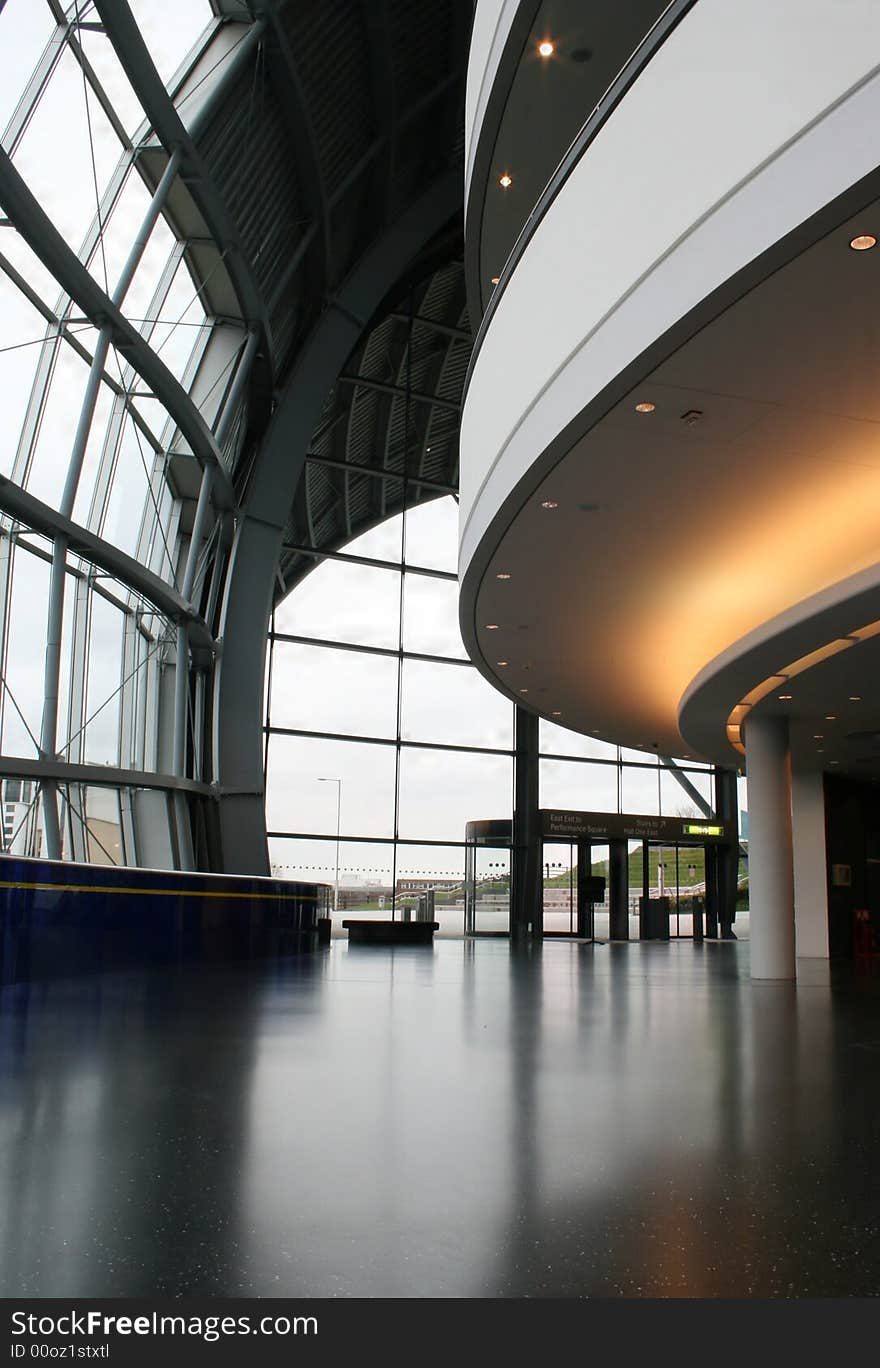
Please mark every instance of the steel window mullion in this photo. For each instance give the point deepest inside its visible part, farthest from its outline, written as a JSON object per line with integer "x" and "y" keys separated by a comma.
{"x": 390, "y": 652}
{"x": 368, "y": 840}
{"x": 348, "y": 559}
{"x": 387, "y": 741}
{"x": 26, "y": 107}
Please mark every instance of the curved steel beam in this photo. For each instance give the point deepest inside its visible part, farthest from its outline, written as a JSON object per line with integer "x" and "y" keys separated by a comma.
{"x": 67, "y": 772}
{"x": 238, "y": 690}
{"x": 46, "y": 242}
{"x": 158, "y": 105}
{"x": 40, "y": 517}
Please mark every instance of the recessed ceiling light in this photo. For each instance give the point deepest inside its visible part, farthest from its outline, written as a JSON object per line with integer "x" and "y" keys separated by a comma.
{"x": 855, "y": 698}
{"x": 863, "y": 242}
{"x": 818, "y": 736}
{"x": 502, "y": 662}
{"x": 645, "y": 407}
{"x": 523, "y": 690}
{"x": 494, "y": 280}
{"x": 549, "y": 503}
{"x": 820, "y": 750}
{"x": 505, "y": 180}
{"x": 491, "y": 626}
{"x": 546, "y": 49}
{"x": 503, "y": 574}
{"x": 834, "y": 762}
{"x": 831, "y": 717}
{"x": 557, "y": 712}
{"x": 784, "y": 698}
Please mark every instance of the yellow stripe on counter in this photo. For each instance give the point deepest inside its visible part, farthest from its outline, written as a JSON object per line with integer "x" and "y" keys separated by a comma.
{"x": 155, "y": 892}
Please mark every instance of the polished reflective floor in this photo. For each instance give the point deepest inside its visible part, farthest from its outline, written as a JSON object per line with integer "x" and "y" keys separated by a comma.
{"x": 456, "y": 1121}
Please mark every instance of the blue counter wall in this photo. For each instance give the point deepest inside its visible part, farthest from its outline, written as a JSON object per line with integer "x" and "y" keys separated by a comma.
{"x": 59, "y": 919}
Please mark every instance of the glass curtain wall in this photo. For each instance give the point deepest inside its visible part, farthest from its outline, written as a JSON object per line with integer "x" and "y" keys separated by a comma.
{"x": 121, "y": 385}
{"x": 383, "y": 741}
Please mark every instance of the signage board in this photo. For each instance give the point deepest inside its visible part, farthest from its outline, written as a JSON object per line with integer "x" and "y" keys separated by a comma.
{"x": 605, "y": 826}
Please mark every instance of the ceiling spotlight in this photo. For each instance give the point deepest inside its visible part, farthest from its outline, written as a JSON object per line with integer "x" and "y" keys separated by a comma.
{"x": 855, "y": 698}
{"x": 503, "y": 574}
{"x": 523, "y": 690}
{"x": 645, "y": 407}
{"x": 491, "y": 626}
{"x": 557, "y": 712}
{"x": 549, "y": 503}
{"x": 834, "y": 762}
{"x": 784, "y": 698}
{"x": 546, "y": 49}
{"x": 502, "y": 662}
{"x": 505, "y": 180}
{"x": 494, "y": 280}
{"x": 863, "y": 242}
{"x": 817, "y": 736}
{"x": 831, "y": 717}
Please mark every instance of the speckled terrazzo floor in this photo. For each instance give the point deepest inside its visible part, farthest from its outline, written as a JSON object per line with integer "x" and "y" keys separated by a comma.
{"x": 462, "y": 1121}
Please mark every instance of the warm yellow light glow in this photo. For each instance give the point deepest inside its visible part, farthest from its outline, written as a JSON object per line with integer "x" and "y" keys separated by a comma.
{"x": 549, "y": 503}
{"x": 785, "y": 698}
{"x": 645, "y": 407}
{"x": 761, "y": 690}
{"x": 502, "y": 663}
{"x": 523, "y": 690}
{"x": 546, "y": 48}
{"x": 855, "y": 698}
{"x": 863, "y": 242}
{"x": 494, "y": 280}
{"x": 865, "y": 633}
{"x": 505, "y": 180}
{"x": 503, "y": 575}
{"x": 491, "y": 626}
{"x": 557, "y": 712}
{"x": 831, "y": 717}
{"x": 823, "y": 653}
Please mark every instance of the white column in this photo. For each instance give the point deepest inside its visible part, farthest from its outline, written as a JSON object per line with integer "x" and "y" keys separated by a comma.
{"x": 771, "y": 877}
{"x": 810, "y": 865}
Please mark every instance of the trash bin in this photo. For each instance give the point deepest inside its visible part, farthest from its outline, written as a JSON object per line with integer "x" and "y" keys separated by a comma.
{"x": 654, "y": 918}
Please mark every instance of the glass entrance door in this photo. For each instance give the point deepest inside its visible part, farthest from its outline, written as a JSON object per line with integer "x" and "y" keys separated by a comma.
{"x": 559, "y": 888}
{"x": 677, "y": 884}
{"x": 487, "y": 890}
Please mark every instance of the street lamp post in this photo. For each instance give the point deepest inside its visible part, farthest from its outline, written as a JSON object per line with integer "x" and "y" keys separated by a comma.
{"x": 338, "y": 783}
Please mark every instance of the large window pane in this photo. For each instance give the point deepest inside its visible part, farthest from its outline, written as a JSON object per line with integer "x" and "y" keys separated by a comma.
{"x": 641, "y": 790}
{"x": 344, "y": 603}
{"x": 453, "y": 704}
{"x": 578, "y": 786}
{"x": 23, "y": 701}
{"x": 675, "y": 801}
{"x": 365, "y": 868}
{"x": 554, "y": 740}
{"x": 298, "y": 800}
{"x": 430, "y": 617}
{"x": 441, "y": 791}
{"x": 318, "y": 689}
{"x": 55, "y": 155}
{"x": 432, "y": 534}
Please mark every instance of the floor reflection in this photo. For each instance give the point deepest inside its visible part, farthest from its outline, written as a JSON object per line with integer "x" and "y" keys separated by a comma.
{"x": 576, "y": 1120}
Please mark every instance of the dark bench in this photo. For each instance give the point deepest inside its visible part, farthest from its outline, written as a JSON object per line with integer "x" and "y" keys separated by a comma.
{"x": 391, "y": 932}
